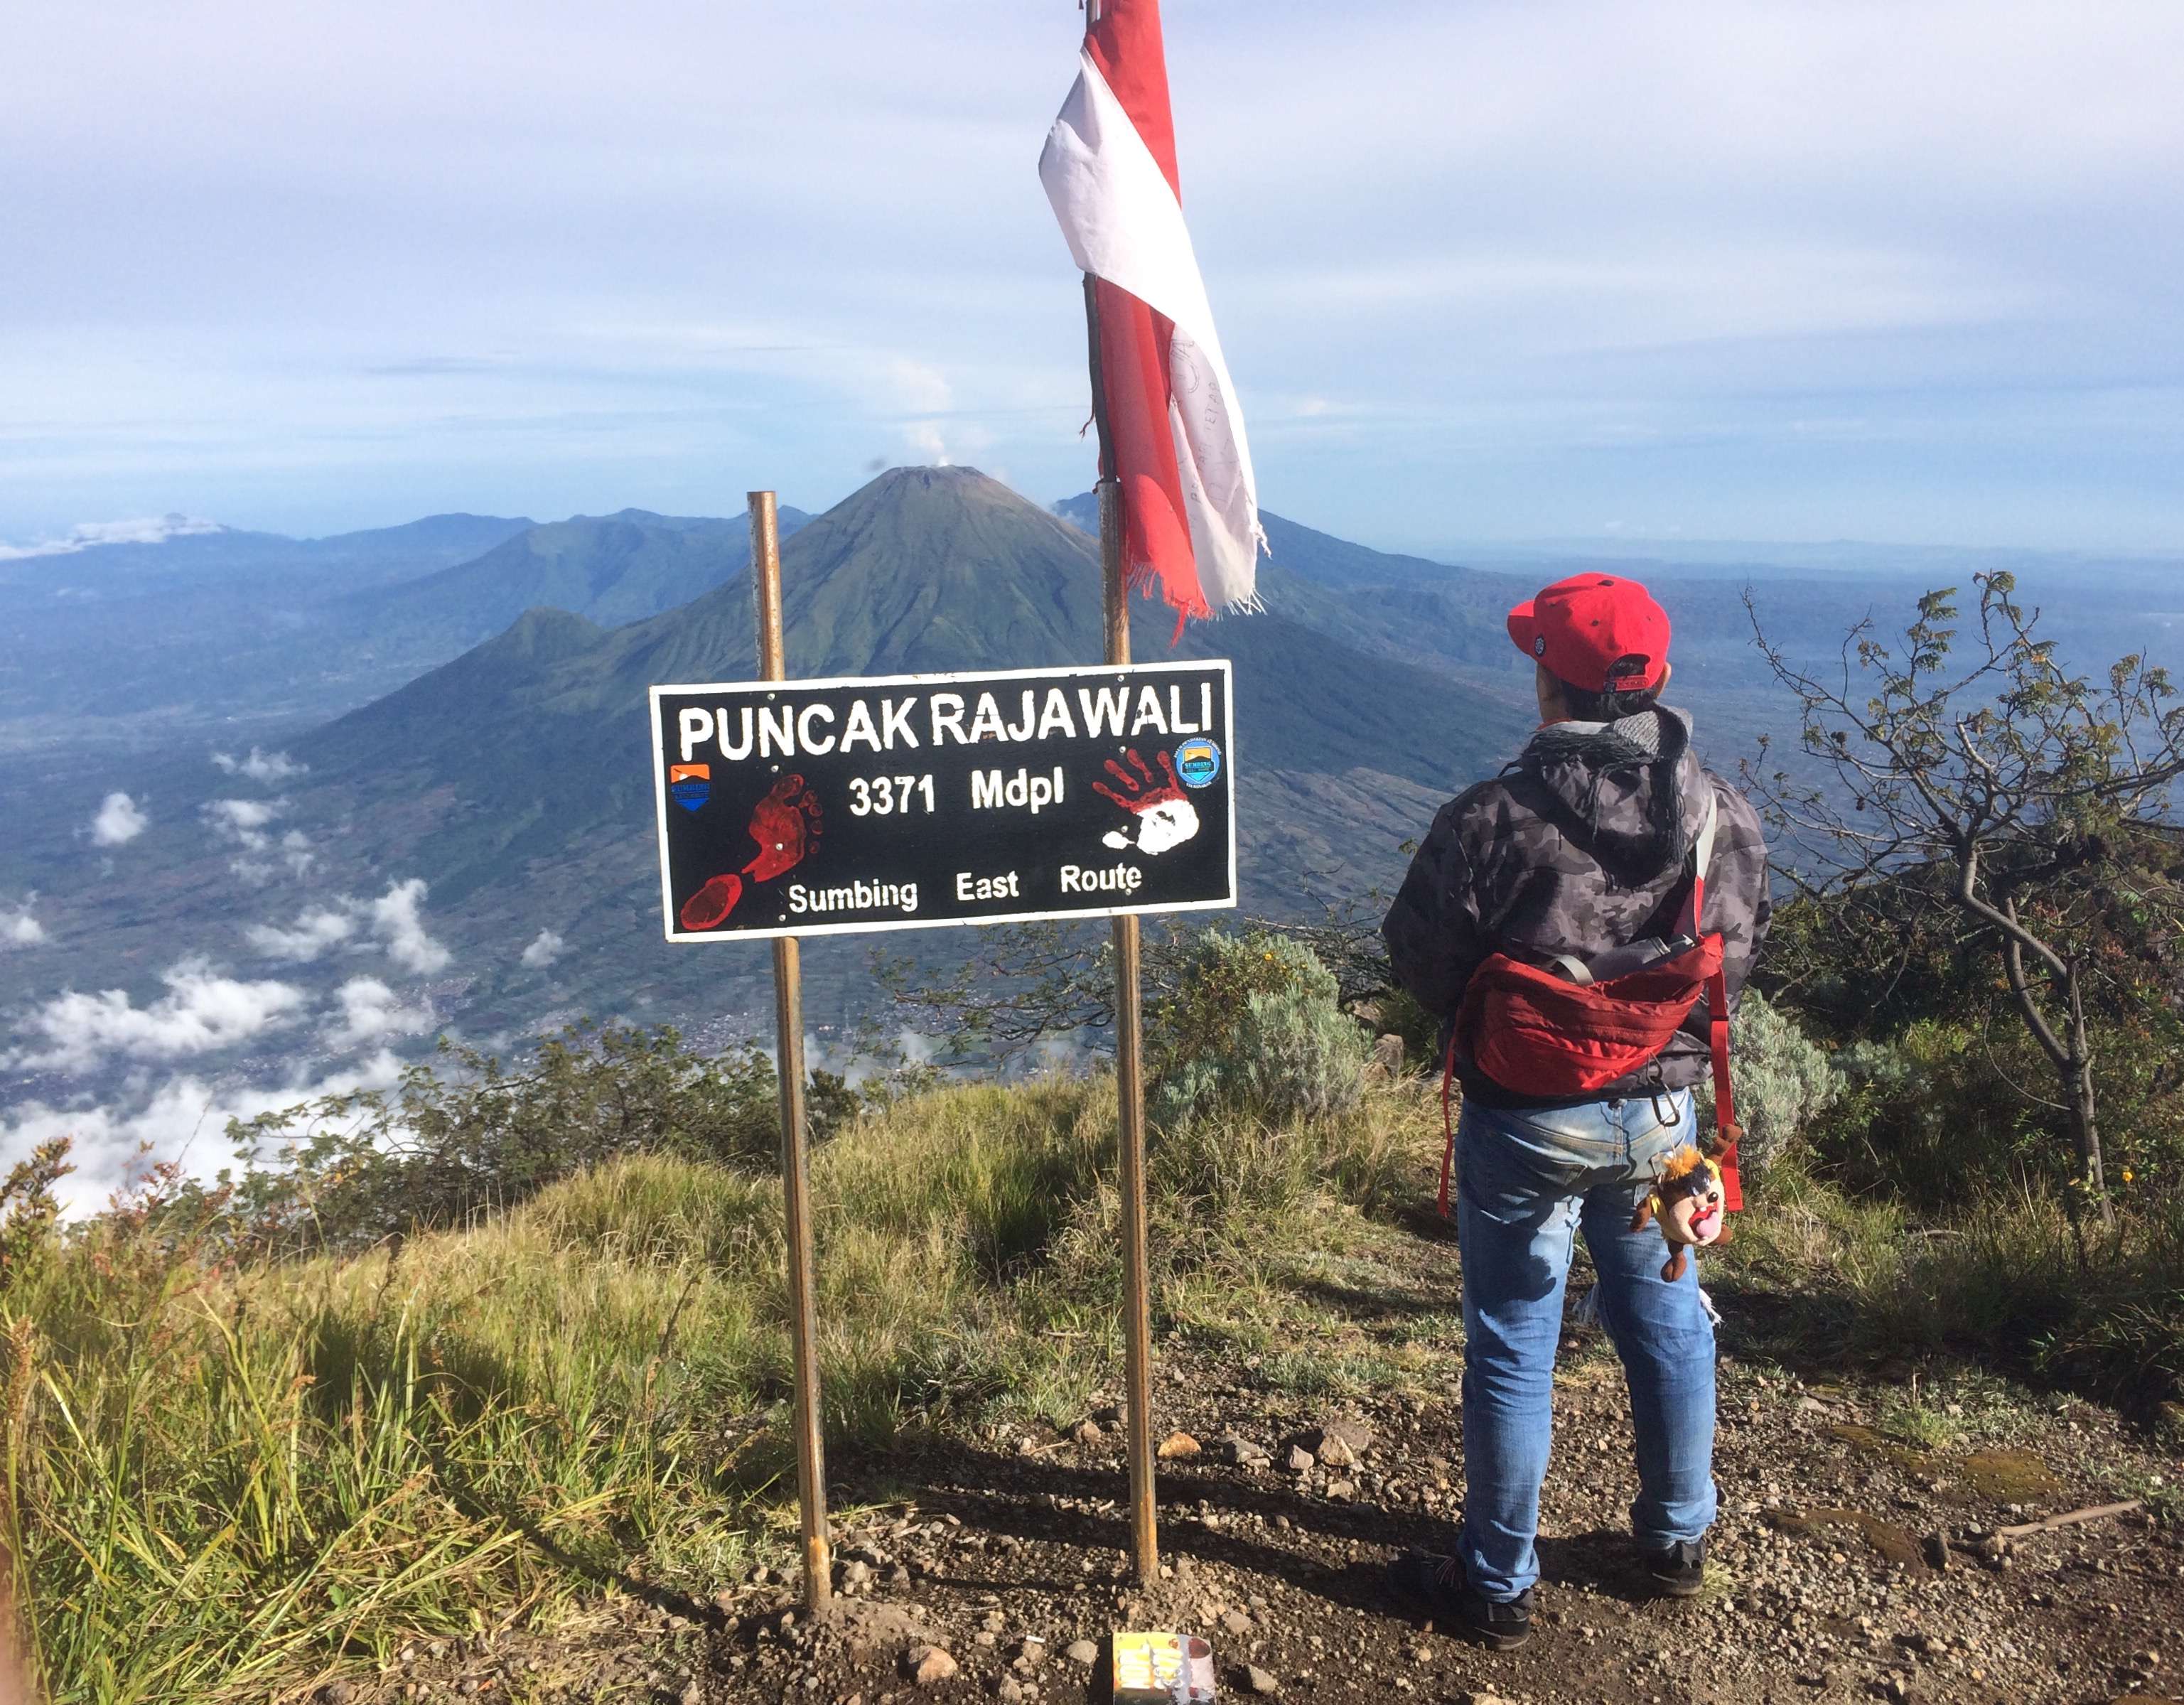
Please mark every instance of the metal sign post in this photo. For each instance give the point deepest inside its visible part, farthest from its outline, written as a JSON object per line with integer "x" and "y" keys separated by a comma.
{"x": 795, "y": 1178}
{"x": 1130, "y": 1090}
{"x": 1129, "y": 1060}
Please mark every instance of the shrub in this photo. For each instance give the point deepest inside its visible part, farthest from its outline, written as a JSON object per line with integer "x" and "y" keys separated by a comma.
{"x": 1782, "y": 1079}
{"x": 464, "y": 1134}
{"x": 1254, "y": 1027}
{"x": 1932, "y": 1118}
{"x": 1397, "y": 1013}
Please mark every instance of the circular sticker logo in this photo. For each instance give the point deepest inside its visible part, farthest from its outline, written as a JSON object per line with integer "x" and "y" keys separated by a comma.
{"x": 1197, "y": 762}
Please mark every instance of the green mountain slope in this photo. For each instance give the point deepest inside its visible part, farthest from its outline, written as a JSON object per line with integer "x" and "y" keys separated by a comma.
{"x": 1318, "y": 557}
{"x": 610, "y": 569}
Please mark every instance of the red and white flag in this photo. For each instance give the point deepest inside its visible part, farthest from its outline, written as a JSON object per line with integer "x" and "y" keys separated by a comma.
{"x": 1190, "y": 507}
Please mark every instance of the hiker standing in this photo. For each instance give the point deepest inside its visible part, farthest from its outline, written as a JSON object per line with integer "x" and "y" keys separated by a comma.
{"x": 1598, "y": 865}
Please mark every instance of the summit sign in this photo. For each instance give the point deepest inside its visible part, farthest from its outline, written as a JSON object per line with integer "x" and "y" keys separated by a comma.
{"x": 820, "y": 807}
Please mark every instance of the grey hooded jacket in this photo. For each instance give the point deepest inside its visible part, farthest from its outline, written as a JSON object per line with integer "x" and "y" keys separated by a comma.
{"x": 1584, "y": 844}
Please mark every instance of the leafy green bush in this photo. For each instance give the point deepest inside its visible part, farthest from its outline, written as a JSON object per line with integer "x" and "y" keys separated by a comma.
{"x": 1933, "y": 1117}
{"x": 1253, "y": 1026}
{"x": 464, "y": 1134}
{"x": 1782, "y": 1079}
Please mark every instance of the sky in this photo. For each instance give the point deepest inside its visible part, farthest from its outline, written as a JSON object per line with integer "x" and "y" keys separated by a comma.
{"x": 1900, "y": 270}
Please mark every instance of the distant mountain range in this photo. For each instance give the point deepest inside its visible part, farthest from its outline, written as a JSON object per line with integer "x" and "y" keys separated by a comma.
{"x": 523, "y": 768}
{"x": 510, "y": 773}
{"x": 608, "y": 568}
{"x": 515, "y": 779}
{"x": 184, "y": 554}
{"x": 218, "y": 627}
{"x": 210, "y": 630}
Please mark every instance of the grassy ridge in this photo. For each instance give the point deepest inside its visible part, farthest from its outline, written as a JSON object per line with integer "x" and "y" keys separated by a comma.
{"x": 221, "y": 1480}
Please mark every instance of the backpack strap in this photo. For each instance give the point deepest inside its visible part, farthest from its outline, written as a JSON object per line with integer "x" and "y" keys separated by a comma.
{"x": 1702, "y": 860}
{"x": 1716, "y": 1000}
{"x": 1447, "y": 1120}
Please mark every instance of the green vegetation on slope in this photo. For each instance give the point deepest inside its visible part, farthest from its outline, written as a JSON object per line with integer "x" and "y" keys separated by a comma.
{"x": 224, "y": 1472}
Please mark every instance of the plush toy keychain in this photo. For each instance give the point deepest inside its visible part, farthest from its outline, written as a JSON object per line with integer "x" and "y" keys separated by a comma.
{"x": 1686, "y": 1204}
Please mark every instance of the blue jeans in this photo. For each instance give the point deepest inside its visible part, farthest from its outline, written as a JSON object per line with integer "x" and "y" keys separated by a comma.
{"x": 1526, "y": 1181}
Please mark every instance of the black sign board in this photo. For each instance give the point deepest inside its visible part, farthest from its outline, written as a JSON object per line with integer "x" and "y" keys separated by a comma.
{"x": 907, "y": 801}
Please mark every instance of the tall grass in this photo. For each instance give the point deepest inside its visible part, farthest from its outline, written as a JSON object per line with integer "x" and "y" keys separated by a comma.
{"x": 221, "y": 1482}
{"x": 2006, "y": 1277}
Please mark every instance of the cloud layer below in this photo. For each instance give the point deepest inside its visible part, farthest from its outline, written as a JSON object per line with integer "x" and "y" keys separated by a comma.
{"x": 183, "y": 1118}
{"x": 202, "y": 1011}
{"x": 84, "y": 535}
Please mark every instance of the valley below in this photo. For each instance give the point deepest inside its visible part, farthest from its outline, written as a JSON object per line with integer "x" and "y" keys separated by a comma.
{"x": 387, "y": 787}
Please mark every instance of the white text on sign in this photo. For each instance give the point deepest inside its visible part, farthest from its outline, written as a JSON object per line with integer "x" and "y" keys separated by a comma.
{"x": 768, "y": 731}
{"x": 990, "y": 792}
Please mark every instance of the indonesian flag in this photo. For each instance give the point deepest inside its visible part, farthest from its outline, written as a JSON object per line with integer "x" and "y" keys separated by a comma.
{"x": 1190, "y": 508}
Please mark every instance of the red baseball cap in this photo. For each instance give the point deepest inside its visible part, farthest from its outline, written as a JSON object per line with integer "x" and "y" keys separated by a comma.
{"x": 1598, "y": 632}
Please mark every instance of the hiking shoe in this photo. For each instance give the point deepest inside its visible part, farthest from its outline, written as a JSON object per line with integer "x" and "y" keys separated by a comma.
{"x": 1439, "y": 1584}
{"x": 1679, "y": 1571}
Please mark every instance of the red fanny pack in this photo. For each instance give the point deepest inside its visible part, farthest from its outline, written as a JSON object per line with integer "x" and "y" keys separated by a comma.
{"x": 1555, "y": 1032}
{"x": 1532, "y": 1030}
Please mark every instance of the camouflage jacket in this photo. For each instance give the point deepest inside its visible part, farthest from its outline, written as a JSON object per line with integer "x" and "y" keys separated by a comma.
{"x": 1582, "y": 845}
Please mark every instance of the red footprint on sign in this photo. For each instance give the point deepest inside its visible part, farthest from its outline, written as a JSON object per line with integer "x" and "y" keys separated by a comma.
{"x": 709, "y": 908}
{"x": 785, "y": 825}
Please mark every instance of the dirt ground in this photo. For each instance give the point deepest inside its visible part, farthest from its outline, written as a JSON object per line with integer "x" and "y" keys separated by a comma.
{"x": 1856, "y": 1556}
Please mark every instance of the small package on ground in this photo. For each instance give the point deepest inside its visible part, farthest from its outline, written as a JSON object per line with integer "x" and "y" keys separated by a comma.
{"x": 1162, "y": 1669}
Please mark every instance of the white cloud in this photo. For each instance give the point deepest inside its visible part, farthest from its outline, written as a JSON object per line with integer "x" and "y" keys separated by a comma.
{"x": 314, "y": 932}
{"x": 181, "y": 1119}
{"x": 396, "y": 920}
{"x": 545, "y": 948}
{"x": 119, "y": 820}
{"x": 19, "y": 929}
{"x": 296, "y": 852}
{"x": 145, "y": 530}
{"x": 261, "y": 766}
{"x": 243, "y": 822}
{"x": 371, "y": 1011}
{"x": 202, "y": 1010}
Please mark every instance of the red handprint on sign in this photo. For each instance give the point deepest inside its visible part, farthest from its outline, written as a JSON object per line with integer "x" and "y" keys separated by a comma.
{"x": 1160, "y": 817}
{"x": 785, "y": 825}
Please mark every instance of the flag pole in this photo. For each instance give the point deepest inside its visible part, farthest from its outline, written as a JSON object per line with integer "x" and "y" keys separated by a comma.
{"x": 795, "y": 1172}
{"x": 1129, "y": 1057}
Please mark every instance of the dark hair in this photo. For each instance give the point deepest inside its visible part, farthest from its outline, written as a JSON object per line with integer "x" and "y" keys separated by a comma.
{"x": 1611, "y": 705}
{"x": 1606, "y": 707}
